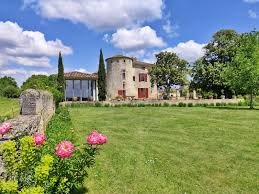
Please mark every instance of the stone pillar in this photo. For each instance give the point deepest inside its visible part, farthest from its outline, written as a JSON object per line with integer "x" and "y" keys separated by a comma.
{"x": 37, "y": 102}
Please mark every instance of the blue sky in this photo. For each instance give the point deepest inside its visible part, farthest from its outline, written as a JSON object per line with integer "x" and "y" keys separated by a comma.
{"x": 33, "y": 31}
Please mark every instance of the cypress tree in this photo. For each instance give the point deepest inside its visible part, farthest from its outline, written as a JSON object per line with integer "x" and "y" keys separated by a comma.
{"x": 60, "y": 78}
{"x": 101, "y": 78}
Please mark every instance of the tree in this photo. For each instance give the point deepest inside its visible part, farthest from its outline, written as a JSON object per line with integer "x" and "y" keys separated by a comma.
{"x": 219, "y": 52}
{"x": 60, "y": 78}
{"x": 43, "y": 82}
{"x": 169, "y": 70}
{"x": 101, "y": 79}
{"x": 11, "y": 92}
{"x": 6, "y": 82}
{"x": 243, "y": 72}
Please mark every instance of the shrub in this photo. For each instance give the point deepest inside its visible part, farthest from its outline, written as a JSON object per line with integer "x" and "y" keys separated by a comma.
{"x": 166, "y": 104}
{"x": 190, "y": 104}
{"x": 205, "y": 105}
{"x": 11, "y": 92}
{"x": 98, "y": 104}
{"x": 218, "y": 104}
{"x": 107, "y": 105}
{"x": 181, "y": 104}
{"x": 32, "y": 166}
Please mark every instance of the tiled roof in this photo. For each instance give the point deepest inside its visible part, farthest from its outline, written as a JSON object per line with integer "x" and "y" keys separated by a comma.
{"x": 75, "y": 75}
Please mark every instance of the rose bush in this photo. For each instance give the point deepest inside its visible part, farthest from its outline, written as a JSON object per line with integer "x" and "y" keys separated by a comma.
{"x": 5, "y": 128}
{"x": 34, "y": 165}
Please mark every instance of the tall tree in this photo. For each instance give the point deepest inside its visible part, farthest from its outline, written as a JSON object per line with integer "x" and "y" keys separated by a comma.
{"x": 8, "y": 87}
{"x": 219, "y": 52}
{"x": 243, "y": 72}
{"x": 60, "y": 78}
{"x": 101, "y": 78}
{"x": 169, "y": 70}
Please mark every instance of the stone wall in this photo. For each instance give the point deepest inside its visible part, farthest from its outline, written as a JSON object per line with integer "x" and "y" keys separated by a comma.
{"x": 37, "y": 108}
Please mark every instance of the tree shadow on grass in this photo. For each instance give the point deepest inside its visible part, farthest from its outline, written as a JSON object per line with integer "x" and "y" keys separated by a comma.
{"x": 80, "y": 190}
{"x": 231, "y": 108}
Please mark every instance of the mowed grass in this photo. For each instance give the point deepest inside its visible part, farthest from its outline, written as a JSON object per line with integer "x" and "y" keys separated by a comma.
{"x": 9, "y": 107}
{"x": 172, "y": 150}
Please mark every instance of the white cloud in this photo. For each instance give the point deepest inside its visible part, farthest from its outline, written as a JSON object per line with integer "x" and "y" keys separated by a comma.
{"x": 21, "y": 74}
{"x": 28, "y": 48}
{"x": 251, "y": 1}
{"x": 190, "y": 50}
{"x": 82, "y": 70}
{"x": 136, "y": 39}
{"x": 106, "y": 38}
{"x": 252, "y": 14}
{"x": 99, "y": 14}
{"x": 170, "y": 29}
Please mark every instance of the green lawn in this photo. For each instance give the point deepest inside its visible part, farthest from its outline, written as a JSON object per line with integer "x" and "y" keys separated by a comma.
{"x": 172, "y": 150}
{"x": 8, "y": 107}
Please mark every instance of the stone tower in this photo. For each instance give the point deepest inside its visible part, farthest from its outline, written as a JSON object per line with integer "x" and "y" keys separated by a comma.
{"x": 120, "y": 73}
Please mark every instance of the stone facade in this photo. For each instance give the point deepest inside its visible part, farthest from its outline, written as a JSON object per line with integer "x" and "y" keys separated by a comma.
{"x": 129, "y": 78}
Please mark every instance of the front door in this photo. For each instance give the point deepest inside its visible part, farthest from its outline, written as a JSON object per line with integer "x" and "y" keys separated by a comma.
{"x": 142, "y": 92}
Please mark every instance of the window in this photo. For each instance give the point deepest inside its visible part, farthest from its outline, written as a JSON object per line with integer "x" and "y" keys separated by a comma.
{"x": 143, "y": 77}
{"x": 124, "y": 61}
{"x": 144, "y": 68}
{"x": 123, "y": 74}
{"x": 134, "y": 78}
{"x": 124, "y": 85}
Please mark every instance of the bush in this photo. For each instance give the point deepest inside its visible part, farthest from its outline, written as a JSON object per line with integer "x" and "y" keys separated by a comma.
{"x": 182, "y": 104}
{"x": 11, "y": 92}
{"x": 38, "y": 167}
{"x": 166, "y": 104}
{"x": 190, "y": 105}
{"x": 98, "y": 104}
{"x": 218, "y": 104}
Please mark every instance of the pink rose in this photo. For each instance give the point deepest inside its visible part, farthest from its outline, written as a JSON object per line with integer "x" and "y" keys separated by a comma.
{"x": 5, "y": 127}
{"x": 102, "y": 139}
{"x": 95, "y": 138}
{"x": 39, "y": 138}
{"x": 64, "y": 149}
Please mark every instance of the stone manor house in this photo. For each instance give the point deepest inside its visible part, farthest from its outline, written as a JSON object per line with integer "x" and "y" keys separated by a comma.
{"x": 125, "y": 77}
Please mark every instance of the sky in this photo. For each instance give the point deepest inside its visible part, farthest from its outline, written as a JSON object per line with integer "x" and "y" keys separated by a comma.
{"x": 32, "y": 32}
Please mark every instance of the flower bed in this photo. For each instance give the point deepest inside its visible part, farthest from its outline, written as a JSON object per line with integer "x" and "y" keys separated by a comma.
{"x": 50, "y": 163}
